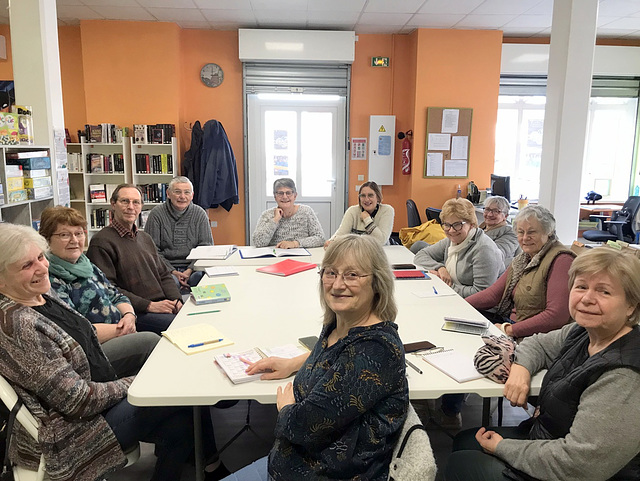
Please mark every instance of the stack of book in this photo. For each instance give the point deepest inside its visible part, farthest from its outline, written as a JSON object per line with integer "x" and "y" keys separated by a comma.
{"x": 153, "y": 134}
{"x": 74, "y": 162}
{"x": 101, "y": 193}
{"x": 154, "y": 164}
{"x": 105, "y": 163}
{"x": 103, "y": 133}
{"x": 100, "y": 218}
{"x": 155, "y": 193}
{"x": 34, "y": 165}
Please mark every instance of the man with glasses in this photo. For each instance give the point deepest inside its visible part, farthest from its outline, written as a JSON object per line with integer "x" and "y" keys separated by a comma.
{"x": 176, "y": 227}
{"x": 288, "y": 225}
{"x": 130, "y": 260}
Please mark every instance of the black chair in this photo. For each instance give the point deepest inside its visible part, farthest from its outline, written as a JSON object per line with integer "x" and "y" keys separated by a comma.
{"x": 413, "y": 216}
{"x": 622, "y": 226}
{"x": 433, "y": 214}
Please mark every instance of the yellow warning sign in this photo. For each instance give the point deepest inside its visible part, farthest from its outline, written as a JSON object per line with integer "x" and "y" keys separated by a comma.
{"x": 381, "y": 129}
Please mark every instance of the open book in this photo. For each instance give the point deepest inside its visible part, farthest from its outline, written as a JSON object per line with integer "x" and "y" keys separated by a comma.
{"x": 466, "y": 326}
{"x": 251, "y": 252}
{"x": 221, "y": 252}
{"x": 197, "y": 338}
{"x": 235, "y": 364}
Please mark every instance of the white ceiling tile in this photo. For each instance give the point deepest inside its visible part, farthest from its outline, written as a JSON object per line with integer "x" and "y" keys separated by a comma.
{"x": 336, "y": 5}
{"x": 503, "y": 7}
{"x": 279, "y": 6}
{"x": 123, "y": 13}
{"x": 177, "y": 14}
{"x": 168, "y": 3}
{"x": 383, "y": 19}
{"x": 204, "y": 25}
{"x": 388, "y": 29}
{"x": 239, "y": 16}
{"x": 85, "y": 13}
{"x": 618, "y": 8}
{"x": 424, "y": 20}
{"x": 109, "y": 3}
{"x": 527, "y": 21}
{"x": 396, "y": 6}
{"x": 448, "y": 7}
{"x": 521, "y": 31}
{"x": 602, "y": 20}
{"x": 629, "y": 23}
{"x": 545, "y": 7}
{"x": 491, "y": 22}
{"x": 612, "y": 33}
{"x": 330, "y": 17}
{"x": 277, "y": 15}
{"x": 224, "y": 4}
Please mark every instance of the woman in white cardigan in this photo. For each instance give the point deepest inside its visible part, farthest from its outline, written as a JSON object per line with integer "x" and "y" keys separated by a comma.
{"x": 369, "y": 217}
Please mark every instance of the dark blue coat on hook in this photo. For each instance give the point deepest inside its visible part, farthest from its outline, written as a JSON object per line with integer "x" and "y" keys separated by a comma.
{"x": 211, "y": 165}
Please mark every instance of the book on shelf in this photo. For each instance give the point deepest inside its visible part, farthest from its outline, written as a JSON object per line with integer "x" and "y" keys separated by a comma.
{"x": 100, "y": 218}
{"x": 286, "y": 267}
{"x": 235, "y": 364}
{"x": 211, "y": 294}
{"x": 153, "y": 133}
{"x": 27, "y": 155}
{"x": 103, "y": 133}
{"x": 454, "y": 364}
{"x": 155, "y": 193}
{"x": 196, "y": 338}
{"x": 219, "y": 252}
{"x": 140, "y": 134}
{"x": 252, "y": 252}
{"x": 98, "y": 193}
{"x": 95, "y": 163}
{"x": 157, "y": 136}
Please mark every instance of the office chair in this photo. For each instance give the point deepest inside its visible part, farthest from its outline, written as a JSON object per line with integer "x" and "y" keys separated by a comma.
{"x": 623, "y": 224}
{"x": 433, "y": 214}
{"x": 413, "y": 216}
{"x": 9, "y": 397}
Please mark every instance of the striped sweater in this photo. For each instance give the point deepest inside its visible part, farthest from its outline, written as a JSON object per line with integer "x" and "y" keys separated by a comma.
{"x": 303, "y": 226}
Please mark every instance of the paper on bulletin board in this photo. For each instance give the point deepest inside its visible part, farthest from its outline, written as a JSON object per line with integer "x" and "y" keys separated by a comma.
{"x": 459, "y": 147}
{"x": 450, "y": 120}
{"x": 439, "y": 141}
{"x": 434, "y": 164}
{"x": 455, "y": 168}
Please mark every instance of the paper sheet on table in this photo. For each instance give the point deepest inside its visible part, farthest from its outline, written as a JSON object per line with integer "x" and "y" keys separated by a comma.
{"x": 184, "y": 336}
{"x": 439, "y": 142}
{"x": 434, "y": 164}
{"x": 217, "y": 271}
{"x": 455, "y": 168}
{"x": 459, "y": 147}
{"x": 288, "y": 351}
{"x": 428, "y": 292}
{"x": 450, "y": 120}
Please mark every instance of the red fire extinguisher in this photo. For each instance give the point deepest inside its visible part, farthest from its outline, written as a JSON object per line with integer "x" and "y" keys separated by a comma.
{"x": 406, "y": 151}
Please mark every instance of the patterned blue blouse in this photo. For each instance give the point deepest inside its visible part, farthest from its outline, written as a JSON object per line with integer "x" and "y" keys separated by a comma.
{"x": 351, "y": 401}
{"x": 94, "y": 297}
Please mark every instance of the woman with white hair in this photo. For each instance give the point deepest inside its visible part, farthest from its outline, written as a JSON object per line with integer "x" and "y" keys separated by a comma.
{"x": 496, "y": 211}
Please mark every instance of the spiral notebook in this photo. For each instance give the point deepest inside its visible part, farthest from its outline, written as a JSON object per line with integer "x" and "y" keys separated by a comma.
{"x": 454, "y": 364}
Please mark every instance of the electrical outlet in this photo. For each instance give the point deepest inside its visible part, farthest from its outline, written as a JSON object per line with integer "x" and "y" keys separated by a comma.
{"x": 214, "y": 223}
{"x": 361, "y": 177}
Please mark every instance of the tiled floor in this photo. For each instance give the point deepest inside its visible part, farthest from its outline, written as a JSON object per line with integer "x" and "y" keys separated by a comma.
{"x": 254, "y": 444}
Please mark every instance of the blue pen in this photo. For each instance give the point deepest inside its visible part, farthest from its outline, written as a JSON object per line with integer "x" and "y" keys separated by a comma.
{"x": 213, "y": 341}
{"x": 434, "y": 290}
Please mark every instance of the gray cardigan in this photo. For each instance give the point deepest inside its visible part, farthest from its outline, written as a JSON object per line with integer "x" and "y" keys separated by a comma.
{"x": 479, "y": 265}
{"x": 507, "y": 242}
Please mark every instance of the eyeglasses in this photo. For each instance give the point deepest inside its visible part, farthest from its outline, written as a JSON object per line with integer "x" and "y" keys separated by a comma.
{"x": 135, "y": 202}
{"x": 65, "y": 236}
{"x": 350, "y": 278}
{"x": 287, "y": 193}
{"x": 530, "y": 233}
{"x": 456, "y": 226}
{"x": 492, "y": 211}
{"x": 181, "y": 192}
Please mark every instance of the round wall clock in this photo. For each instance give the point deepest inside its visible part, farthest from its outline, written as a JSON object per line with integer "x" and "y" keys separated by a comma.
{"x": 211, "y": 75}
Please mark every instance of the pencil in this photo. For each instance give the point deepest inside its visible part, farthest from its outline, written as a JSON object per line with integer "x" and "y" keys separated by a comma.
{"x": 413, "y": 366}
{"x": 198, "y": 344}
{"x": 203, "y": 312}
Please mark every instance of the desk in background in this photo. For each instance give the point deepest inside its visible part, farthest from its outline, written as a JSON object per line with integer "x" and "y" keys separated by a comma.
{"x": 597, "y": 209}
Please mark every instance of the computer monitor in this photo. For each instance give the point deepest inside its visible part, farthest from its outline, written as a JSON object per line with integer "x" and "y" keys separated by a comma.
{"x": 500, "y": 185}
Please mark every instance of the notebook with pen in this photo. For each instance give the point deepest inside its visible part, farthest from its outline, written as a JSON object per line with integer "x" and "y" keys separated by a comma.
{"x": 202, "y": 337}
{"x": 235, "y": 364}
{"x": 454, "y": 364}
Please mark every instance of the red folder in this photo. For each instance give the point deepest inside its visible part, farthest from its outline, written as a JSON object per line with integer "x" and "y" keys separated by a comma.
{"x": 286, "y": 267}
{"x": 410, "y": 274}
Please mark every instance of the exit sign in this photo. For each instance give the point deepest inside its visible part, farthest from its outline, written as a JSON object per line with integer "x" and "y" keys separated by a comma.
{"x": 379, "y": 61}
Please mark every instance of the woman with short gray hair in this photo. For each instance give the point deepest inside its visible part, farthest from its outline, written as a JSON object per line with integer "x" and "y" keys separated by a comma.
{"x": 531, "y": 296}
{"x": 287, "y": 225}
{"x": 496, "y": 211}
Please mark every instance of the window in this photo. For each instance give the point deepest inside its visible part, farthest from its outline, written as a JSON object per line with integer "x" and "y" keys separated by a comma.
{"x": 611, "y": 129}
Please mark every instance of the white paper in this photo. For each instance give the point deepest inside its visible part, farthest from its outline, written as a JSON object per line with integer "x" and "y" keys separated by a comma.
{"x": 217, "y": 271}
{"x": 439, "y": 142}
{"x": 434, "y": 164}
{"x": 450, "y": 120}
{"x": 220, "y": 252}
{"x": 459, "y": 147}
{"x": 455, "y": 168}
{"x": 430, "y": 293}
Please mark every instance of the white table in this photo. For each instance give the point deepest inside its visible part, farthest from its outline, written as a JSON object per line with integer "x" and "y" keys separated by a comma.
{"x": 268, "y": 311}
{"x": 396, "y": 255}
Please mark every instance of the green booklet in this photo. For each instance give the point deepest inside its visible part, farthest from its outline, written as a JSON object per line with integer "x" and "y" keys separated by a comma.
{"x": 210, "y": 294}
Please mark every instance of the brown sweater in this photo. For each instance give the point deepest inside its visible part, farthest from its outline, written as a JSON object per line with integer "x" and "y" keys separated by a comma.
{"x": 133, "y": 265}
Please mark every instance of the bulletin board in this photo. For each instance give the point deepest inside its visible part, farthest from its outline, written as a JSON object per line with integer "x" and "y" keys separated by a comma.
{"x": 448, "y": 143}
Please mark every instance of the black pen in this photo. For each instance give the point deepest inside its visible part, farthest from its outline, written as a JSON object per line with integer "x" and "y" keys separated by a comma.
{"x": 413, "y": 366}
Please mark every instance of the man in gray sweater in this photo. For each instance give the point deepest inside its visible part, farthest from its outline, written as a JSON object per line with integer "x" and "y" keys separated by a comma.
{"x": 176, "y": 227}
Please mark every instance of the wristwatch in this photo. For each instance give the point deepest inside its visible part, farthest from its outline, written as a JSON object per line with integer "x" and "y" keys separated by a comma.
{"x": 132, "y": 313}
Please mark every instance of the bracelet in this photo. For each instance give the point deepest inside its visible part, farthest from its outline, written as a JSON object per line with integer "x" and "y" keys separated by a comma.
{"x": 132, "y": 313}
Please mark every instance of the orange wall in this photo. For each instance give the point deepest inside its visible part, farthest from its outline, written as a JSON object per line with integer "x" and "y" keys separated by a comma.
{"x": 6, "y": 66}
{"x": 456, "y": 68}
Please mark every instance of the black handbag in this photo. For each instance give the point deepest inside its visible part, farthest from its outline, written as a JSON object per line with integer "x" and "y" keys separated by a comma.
{"x": 7, "y": 468}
